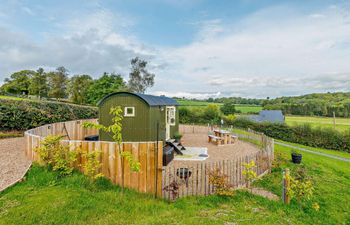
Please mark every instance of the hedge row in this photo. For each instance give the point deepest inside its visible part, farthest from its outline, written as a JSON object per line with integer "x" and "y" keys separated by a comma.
{"x": 303, "y": 134}
{"x": 23, "y": 115}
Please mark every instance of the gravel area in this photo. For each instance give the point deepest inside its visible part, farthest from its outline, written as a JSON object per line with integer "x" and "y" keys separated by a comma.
{"x": 13, "y": 163}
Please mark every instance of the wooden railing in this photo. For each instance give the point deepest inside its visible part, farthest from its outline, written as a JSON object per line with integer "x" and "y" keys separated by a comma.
{"x": 193, "y": 179}
{"x": 149, "y": 154}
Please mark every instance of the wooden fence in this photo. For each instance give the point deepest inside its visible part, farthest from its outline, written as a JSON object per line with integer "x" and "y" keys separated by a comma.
{"x": 149, "y": 154}
{"x": 193, "y": 178}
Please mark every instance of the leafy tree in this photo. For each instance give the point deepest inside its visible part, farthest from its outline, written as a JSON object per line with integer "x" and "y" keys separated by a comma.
{"x": 58, "y": 83}
{"x": 105, "y": 85}
{"x": 78, "y": 88}
{"x": 139, "y": 78}
{"x": 19, "y": 82}
{"x": 228, "y": 108}
{"x": 212, "y": 113}
{"x": 38, "y": 83}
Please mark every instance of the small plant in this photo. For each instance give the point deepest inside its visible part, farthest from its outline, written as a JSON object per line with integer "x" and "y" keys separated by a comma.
{"x": 219, "y": 180}
{"x": 177, "y": 136}
{"x": 279, "y": 160}
{"x": 92, "y": 167}
{"x": 300, "y": 189}
{"x": 249, "y": 173}
{"x": 173, "y": 188}
{"x": 56, "y": 156}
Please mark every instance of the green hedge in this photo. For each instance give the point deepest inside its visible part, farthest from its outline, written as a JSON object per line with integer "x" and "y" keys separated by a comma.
{"x": 302, "y": 134}
{"x": 23, "y": 115}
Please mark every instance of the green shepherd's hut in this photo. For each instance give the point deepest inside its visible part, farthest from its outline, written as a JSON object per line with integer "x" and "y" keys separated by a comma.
{"x": 146, "y": 117}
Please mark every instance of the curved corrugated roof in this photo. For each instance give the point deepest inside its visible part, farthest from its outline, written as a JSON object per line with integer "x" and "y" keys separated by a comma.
{"x": 151, "y": 100}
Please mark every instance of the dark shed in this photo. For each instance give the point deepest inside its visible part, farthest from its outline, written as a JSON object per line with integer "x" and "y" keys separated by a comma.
{"x": 145, "y": 116}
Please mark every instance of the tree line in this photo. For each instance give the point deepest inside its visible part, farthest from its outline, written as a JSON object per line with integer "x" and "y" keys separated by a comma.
{"x": 324, "y": 104}
{"x": 79, "y": 88}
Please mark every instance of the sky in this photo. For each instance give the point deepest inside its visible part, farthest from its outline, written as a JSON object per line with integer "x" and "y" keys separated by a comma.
{"x": 196, "y": 48}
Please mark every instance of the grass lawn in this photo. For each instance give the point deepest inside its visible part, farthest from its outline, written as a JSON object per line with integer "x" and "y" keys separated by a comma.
{"x": 202, "y": 104}
{"x": 11, "y": 97}
{"x": 46, "y": 199}
{"x": 10, "y": 134}
{"x": 327, "y": 151}
{"x": 342, "y": 124}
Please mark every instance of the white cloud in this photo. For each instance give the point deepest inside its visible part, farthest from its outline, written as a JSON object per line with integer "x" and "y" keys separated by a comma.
{"x": 270, "y": 53}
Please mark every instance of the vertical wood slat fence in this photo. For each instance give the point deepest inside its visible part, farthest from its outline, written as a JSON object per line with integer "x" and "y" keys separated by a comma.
{"x": 193, "y": 179}
{"x": 149, "y": 154}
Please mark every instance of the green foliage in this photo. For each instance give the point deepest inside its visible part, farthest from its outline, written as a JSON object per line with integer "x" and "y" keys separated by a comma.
{"x": 139, "y": 78}
{"x": 78, "y": 87}
{"x": 23, "y": 115}
{"x": 57, "y": 82}
{"x": 38, "y": 84}
{"x": 228, "y": 108}
{"x": 219, "y": 180}
{"x": 116, "y": 130}
{"x": 229, "y": 119}
{"x": 300, "y": 189}
{"x": 313, "y": 104}
{"x": 56, "y": 156}
{"x": 106, "y": 84}
{"x": 302, "y": 134}
{"x": 134, "y": 164}
{"x": 177, "y": 135}
{"x": 248, "y": 173}
{"x": 19, "y": 82}
{"x": 92, "y": 166}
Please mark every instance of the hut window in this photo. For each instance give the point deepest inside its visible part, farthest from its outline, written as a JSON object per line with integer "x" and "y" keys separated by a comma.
{"x": 129, "y": 111}
{"x": 171, "y": 116}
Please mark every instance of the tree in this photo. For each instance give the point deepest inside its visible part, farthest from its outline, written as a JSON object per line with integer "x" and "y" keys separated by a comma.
{"x": 78, "y": 88}
{"x": 212, "y": 113}
{"x": 19, "y": 82}
{"x": 105, "y": 85}
{"x": 38, "y": 83}
{"x": 139, "y": 78}
{"x": 58, "y": 83}
{"x": 228, "y": 108}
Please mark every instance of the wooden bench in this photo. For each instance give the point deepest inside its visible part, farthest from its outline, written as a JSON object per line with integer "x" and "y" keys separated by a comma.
{"x": 234, "y": 137}
{"x": 218, "y": 140}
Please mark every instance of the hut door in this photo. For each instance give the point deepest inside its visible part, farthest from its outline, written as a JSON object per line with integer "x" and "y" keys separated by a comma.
{"x": 167, "y": 124}
{"x": 169, "y": 120}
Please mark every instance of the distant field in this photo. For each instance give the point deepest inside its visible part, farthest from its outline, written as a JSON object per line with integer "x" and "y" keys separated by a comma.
{"x": 242, "y": 108}
{"x": 342, "y": 124}
{"x": 10, "y": 97}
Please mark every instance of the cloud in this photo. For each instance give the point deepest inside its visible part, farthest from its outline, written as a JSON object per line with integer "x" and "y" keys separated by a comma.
{"x": 90, "y": 44}
{"x": 275, "y": 51}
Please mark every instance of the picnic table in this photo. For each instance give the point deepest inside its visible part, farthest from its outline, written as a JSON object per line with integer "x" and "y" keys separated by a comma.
{"x": 226, "y": 135}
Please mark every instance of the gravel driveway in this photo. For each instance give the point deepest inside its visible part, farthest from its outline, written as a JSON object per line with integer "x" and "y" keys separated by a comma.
{"x": 13, "y": 163}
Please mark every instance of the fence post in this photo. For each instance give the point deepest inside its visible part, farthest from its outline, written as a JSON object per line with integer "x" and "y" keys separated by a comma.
{"x": 286, "y": 186}
{"x": 193, "y": 128}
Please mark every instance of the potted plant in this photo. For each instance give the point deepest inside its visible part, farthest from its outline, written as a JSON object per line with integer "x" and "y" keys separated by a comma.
{"x": 177, "y": 137}
{"x": 296, "y": 157}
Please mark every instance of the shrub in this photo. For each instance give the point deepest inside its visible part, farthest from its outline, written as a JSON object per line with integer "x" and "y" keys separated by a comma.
{"x": 228, "y": 108}
{"x": 24, "y": 114}
{"x": 302, "y": 134}
{"x": 248, "y": 173}
{"x": 219, "y": 180}
{"x": 92, "y": 166}
{"x": 56, "y": 156}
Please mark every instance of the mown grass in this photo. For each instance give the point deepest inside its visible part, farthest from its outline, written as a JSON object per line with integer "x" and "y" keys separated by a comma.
{"x": 342, "y": 124}
{"x": 10, "y": 134}
{"x": 44, "y": 198}
{"x": 327, "y": 151}
{"x": 202, "y": 104}
{"x": 11, "y": 97}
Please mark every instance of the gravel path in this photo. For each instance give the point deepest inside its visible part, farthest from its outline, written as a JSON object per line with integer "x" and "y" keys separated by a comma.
{"x": 13, "y": 163}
